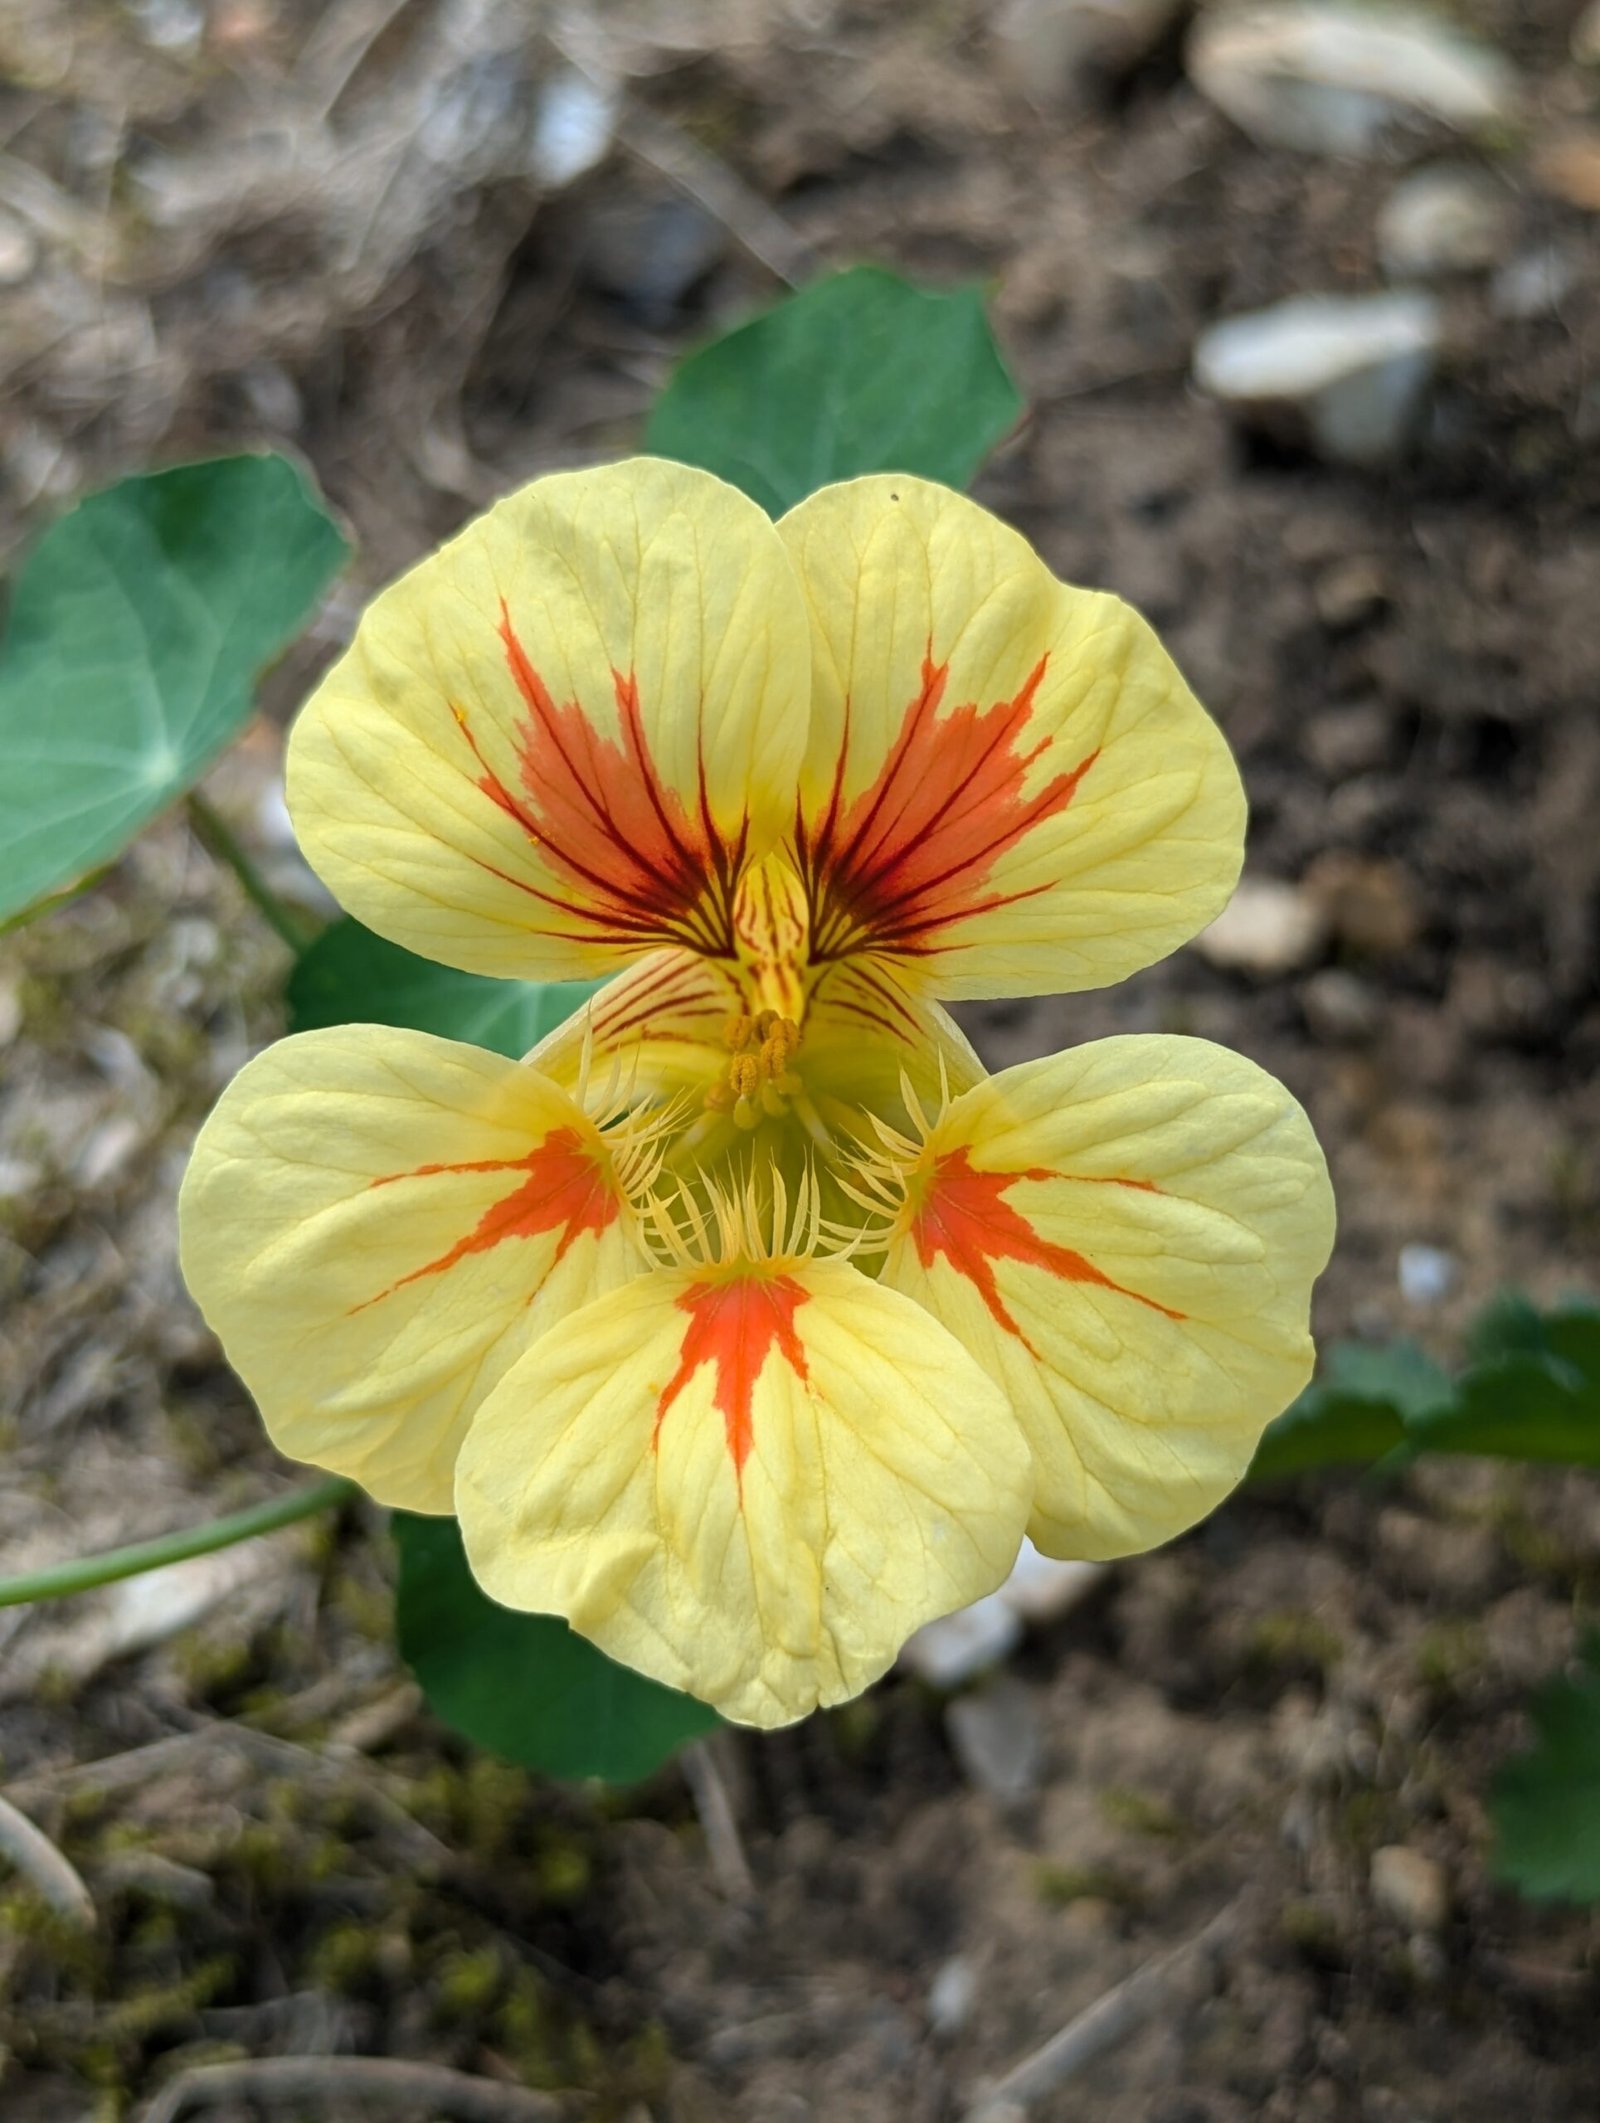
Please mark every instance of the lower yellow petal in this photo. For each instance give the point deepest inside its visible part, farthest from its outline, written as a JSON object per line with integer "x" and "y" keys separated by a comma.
{"x": 376, "y": 1223}
{"x": 751, "y": 1482}
{"x": 1126, "y": 1236}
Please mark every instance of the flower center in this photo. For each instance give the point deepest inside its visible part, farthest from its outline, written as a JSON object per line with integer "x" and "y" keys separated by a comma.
{"x": 758, "y": 1078}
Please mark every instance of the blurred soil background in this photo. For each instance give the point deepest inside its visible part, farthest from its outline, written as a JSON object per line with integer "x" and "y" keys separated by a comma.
{"x": 438, "y": 248}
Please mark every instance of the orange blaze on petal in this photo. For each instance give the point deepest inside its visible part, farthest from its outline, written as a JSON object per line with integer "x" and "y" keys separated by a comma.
{"x": 641, "y": 868}
{"x": 734, "y": 1323}
{"x": 964, "y": 1215}
{"x": 567, "y": 1188}
{"x": 910, "y": 855}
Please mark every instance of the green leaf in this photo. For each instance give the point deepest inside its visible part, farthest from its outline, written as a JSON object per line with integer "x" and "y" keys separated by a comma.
{"x": 525, "y": 1685}
{"x": 1543, "y": 1408}
{"x": 1360, "y": 1410}
{"x": 1509, "y": 1325}
{"x": 349, "y": 976}
{"x": 1546, "y": 1803}
{"x": 861, "y": 372}
{"x": 139, "y": 625}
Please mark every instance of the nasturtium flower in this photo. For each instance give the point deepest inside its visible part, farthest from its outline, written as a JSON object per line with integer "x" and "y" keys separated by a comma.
{"x": 748, "y": 1322}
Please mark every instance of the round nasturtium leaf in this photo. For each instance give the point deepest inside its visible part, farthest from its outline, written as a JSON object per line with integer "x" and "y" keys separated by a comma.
{"x": 139, "y": 625}
{"x": 860, "y": 372}
{"x": 1546, "y": 1802}
{"x": 349, "y": 976}
{"x": 525, "y": 1685}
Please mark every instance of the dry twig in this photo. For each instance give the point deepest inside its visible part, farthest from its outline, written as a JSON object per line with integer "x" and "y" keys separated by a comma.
{"x": 278, "y": 1757}
{"x": 672, "y": 153}
{"x": 38, "y": 1860}
{"x": 1105, "y": 2023}
{"x": 331, "y": 2083}
{"x": 709, "y": 1790}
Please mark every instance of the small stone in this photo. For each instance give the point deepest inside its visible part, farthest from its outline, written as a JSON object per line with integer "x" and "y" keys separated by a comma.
{"x": 1337, "y": 80}
{"x": 951, "y": 1997}
{"x": 652, "y": 254}
{"x": 1410, "y": 1887}
{"x": 1427, "y": 1274}
{"x": 1447, "y": 219}
{"x": 107, "y": 1151}
{"x": 1054, "y": 51}
{"x": 1041, "y": 1588}
{"x": 1349, "y": 592}
{"x": 1368, "y": 903}
{"x": 573, "y": 127}
{"x": 957, "y": 1646}
{"x": 1268, "y": 928}
{"x": 1345, "y": 374}
{"x": 175, "y": 26}
{"x": 1341, "y": 1009}
{"x": 1353, "y": 738}
{"x": 19, "y": 249}
{"x": 19, "y": 1178}
{"x": 1568, "y": 169}
{"x": 1534, "y": 285}
{"x": 998, "y": 1740}
{"x": 273, "y": 396}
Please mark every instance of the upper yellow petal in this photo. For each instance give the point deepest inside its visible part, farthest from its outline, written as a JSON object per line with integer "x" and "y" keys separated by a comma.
{"x": 751, "y": 1483}
{"x": 376, "y": 1223}
{"x": 553, "y": 744}
{"x": 1008, "y": 786}
{"x": 1126, "y": 1236}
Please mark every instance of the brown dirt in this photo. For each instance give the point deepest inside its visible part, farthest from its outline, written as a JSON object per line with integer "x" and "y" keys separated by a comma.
{"x": 1405, "y": 663}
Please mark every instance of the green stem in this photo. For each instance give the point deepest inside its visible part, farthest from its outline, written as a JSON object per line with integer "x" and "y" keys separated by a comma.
{"x": 224, "y": 843}
{"x": 84, "y": 1572}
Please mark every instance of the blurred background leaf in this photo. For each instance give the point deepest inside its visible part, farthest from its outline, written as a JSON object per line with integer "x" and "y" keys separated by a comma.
{"x": 1532, "y": 1392}
{"x": 1356, "y": 1412}
{"x": 525, "y": 1685}
{"x": 1546, "y": 1803}
{"x": 139, "y": 625}
{"x": 860, "y": 372}
{"x": 350, "y": 976}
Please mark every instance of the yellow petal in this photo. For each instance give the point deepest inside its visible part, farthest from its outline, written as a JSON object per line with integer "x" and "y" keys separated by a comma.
{"x": 553, "y": 744}
{"x": 1126, "y": 1237}
{"x": 376, "y": 1223}
{"x": 752, "y": 1483}
{"x": 1008, "y": 785}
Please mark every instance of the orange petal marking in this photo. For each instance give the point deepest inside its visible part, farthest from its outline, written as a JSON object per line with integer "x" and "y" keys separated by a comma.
{"x": 642, "y": 869}
{"x": 964, "y": 1215}
{"x": 910, "y": 854}
{"x": 734, "y": 1323}
{"x": 567, "y": 1189}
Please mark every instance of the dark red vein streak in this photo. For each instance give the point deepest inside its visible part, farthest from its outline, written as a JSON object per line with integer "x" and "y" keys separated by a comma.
{"x": 604, "y": 820}
{"x": 909, "y": 856}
